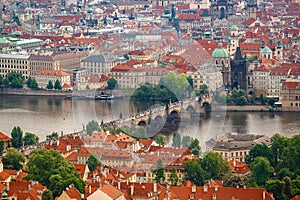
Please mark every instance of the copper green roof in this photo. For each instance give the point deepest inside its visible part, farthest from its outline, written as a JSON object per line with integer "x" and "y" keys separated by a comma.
{"x": 220, "y": 52}
{"x": 266, "y": 49}
{"x": 234, "y": 28}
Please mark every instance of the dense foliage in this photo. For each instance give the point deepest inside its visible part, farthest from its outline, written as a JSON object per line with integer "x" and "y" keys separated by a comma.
{"x": 172, "y": 87}
{"x": 52, "y": 170}
{"x": 112, "y": 84}
{"x": 17, "y": 137}
{"x": 93, "y": 162}
{"x": 30, "y": 139}
{"x": 13, "y": 159}
{"x": 277, "y": 168}
{"x": 92, "y": 126}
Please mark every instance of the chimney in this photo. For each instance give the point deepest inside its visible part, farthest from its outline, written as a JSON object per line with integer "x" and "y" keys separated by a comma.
{"x": 205, "y": 188}
{"x": 154, "y": 187}
{"x": 194, "y": 188}
{"x": 7, "y": 186}
{"x": 131, "y": 190}
{"x": 234, "y": 163}
{"x": 216, "y": 188}
{"x": 61, "y": 133}
{"x": 264, "y": 195}
{"x": 119, "y": 185}
{"x": 90, "y": 189}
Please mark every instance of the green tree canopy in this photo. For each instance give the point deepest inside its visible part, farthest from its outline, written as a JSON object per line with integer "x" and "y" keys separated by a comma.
{"x": 178, "y": 84}
{"x": 176, "y": 140}
{"x": 52, "y": 136}
{"x": 93, "y": 162}
{"x": 13, "y": 159}
{"x": 173, "y": 177}
{"x": 57, "y": 85}
{"x": 140, "y": 133}
{"x": 235, "y": 180}
{"x": 214, "y": 165}
{"x": 49, "y": 85}
{"x": 187, "y": 140}
{"x": 194, "y": 172}
{"x": 204, "y": 89}
{"x": 1, "y": 146}
{"x": 17, "y": 137}
{"x": 259, "y": 150}
{"x": 160, "y": 139}
{"x": 52, "y": 170}
{"x": 277, "y": 188}
{"x": 47, "y": 195}
{"x": 1, "y": 80}
{"x": 33, "y": 85}
{"x": 261, "y": 170}
{"x": 111, "y": 84}
{"x": 92, "y": 126}
{"x": 30, "y": 139}
{"x": 195, "y": 147}
{"x": 159, "y": 171}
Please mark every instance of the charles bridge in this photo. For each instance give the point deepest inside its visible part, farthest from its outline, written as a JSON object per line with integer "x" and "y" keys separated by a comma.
{"x": 158, "y": 116}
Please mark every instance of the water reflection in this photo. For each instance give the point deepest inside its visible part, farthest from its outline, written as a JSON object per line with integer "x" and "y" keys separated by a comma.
{"x": 44, "y": 115}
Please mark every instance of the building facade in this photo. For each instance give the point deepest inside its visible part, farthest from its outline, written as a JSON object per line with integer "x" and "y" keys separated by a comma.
{"x": 290, "y": 95}
{"x": 14, "y": 63}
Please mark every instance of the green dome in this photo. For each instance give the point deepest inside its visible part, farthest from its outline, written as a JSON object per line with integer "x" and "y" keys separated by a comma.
{"x": 234, "y": 28}
{"x": 266, "y": 49}
{"x": 220, "y": 52}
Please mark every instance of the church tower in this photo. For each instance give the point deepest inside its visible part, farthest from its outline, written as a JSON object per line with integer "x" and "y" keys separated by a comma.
{"x": 252, "y": 8}
{"x": 278, "y": 54}
{"x": 234, "y": 39}
{"x": 221, "y": 9}
{"x": 239, "y": 71}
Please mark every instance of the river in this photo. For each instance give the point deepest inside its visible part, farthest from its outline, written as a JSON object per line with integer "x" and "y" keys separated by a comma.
{"x": 44, "y": 115}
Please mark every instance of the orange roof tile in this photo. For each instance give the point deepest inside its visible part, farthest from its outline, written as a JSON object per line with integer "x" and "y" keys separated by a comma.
{"x": 111, "y": 191}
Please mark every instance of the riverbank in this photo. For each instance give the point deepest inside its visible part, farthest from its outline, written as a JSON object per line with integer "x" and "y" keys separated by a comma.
{"x": 24, "y": 92}
{"x": 245, "y": 109}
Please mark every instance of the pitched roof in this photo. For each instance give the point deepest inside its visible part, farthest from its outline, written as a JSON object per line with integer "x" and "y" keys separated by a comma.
{"x": 52, "y": 73}
{"x": 4, "y": 137}
{"x": 111, "y": 191}
{"x": 291, "y": 85}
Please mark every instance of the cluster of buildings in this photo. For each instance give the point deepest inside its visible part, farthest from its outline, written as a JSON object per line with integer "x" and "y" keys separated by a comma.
{"x": 126, "y": 170}
{"x": 251, "y": 45}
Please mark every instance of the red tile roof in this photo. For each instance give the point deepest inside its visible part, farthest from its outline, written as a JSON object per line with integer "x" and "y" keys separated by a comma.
{"x": 52, "y": 73}
{"x": 4, "y": 137}
{"x": 111, "y": 191}
{"x": 291, "y": 85}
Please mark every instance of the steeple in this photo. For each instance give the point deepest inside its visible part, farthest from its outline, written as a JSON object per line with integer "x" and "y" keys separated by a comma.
{"x": 238, "y": 54}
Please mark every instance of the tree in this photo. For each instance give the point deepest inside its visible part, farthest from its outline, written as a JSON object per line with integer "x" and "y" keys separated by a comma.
{"x": 30, "y": 139}
{"x": 194, "y": 172}
{"x": 214, "y": 165}
{"x": 173, "y": 177}
{"x": 1, "y": 80}
{"x": 263, "y": 99}
{"x": 278, "y": 144}
{"x": 17, "y": 137}
{"x": 190, "y": 80}
{"x": 277, "y": 188}
{"x": 5, "y": 81}
{"x": 186, "y": 140}
{"x": 52, "y": 136}
{"x": 92, "y": 126}
{"x": 159, "y": 171}
{"x": 52, "y": 170}
{"x": 204, "y": 89}
{"x": 93, "y": 162}
{"x": 160, "y": 139}
{"x": 29, "y": 81}
{"x": 238, "y": 97}
{"x": 49, "y": 85}
{"x": 177, "y": 84}
{"x": 140, "y": 132}
{"x": 176, "y": 140}
{"x": 261, "y": 170}
{"x": 47, "y": 195}
{"x": 13, "y": 159}
{"x": 195, "y": 147}
{"x": 111, "y": 84}
{"x": 57, "y": 85}
{"x": 288, "y": 187}
{"x": 1, "y": 146}
{"x": 33, "y": 85}
{"x": 235, "y": 180}
{"x": 259, "y": 150}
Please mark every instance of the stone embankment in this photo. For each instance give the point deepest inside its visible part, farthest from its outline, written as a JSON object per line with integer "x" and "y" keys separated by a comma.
{"x": 256, "y": 108}
{"x": 25, "y": 92}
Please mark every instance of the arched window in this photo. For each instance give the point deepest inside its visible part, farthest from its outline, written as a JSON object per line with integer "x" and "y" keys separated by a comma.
{"x": 216, "y": 62}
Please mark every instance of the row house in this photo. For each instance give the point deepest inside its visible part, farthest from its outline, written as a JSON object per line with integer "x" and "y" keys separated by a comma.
{"x": 233, "y": 146}
{"x": 189, "y": 22}
{"x": 14, "y": 63}
{"x": 290, "y": 95}
{"x": 45, "y": 76}
{"x": 6, "y": 139}
{"x": 209, "y": 75}
{"x": 142, "y": 55}
{"x": 277, "y": 77}
{"x": 92, "y": 82}
{"x": 100, "y": 64}
{"x": 66, "y": 61}
{"x": 261, "y": 76}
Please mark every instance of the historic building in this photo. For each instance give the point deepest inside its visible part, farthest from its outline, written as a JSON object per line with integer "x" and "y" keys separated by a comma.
{"x": 221, "y": 59}
{"x": 252, "y": 8}
{"x": 290, "y": 95}
{"x": 239, "y": 71}
{"x": 221, "y": 9}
